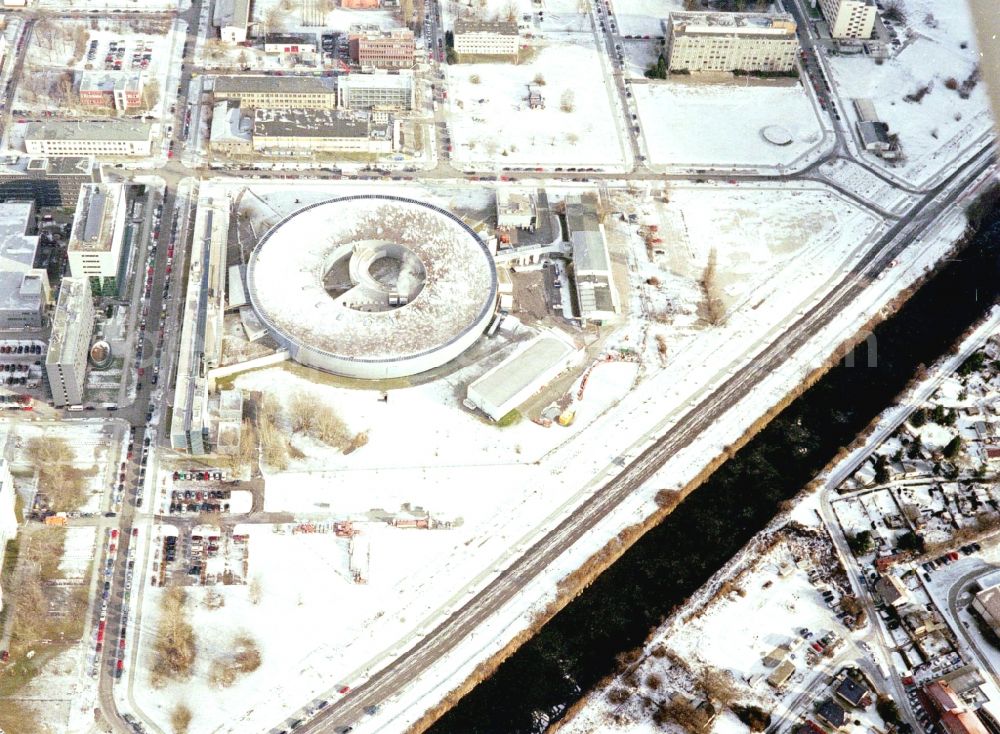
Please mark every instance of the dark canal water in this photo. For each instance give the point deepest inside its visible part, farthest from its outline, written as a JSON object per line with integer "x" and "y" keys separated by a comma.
{"x": 578, "y": 647}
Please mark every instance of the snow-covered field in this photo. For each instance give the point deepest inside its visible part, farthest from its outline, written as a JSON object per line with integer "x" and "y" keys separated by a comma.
{"x": 702, "y": 124}
{"x": 938, "y": 46}
{"x": 491, "y": 123}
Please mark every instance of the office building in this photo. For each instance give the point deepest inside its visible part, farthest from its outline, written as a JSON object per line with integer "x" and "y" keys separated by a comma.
{"x": 46, "y": 181}
{"x": 373, "y": 48}
{"x": 72, "y": 326}
{"x": 293, "y": 92}
{"x": 120, "y": 91}
{"x": 849, "y": 18}
{"x": 24, "y": 288}
{"x": 124, "y": 138}
{"x": 95, "y": 248}
{"x": 725, "y": 42}
{"x": 486, "y": 38}
{"x": 376, "y": 91}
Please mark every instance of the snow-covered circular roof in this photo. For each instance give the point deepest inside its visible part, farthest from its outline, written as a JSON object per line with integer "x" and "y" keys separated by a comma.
{"x": 777, "y": 135}
{"x": 371, "y": 278}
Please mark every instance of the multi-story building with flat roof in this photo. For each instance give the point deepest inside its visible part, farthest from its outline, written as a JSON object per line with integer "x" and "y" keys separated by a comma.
{"x": 232, "y": 18}
{"x": 304, "y": 132}
{"x": 125, "y": 138}
{"x": 95, "y": 244}
{"x": 722, "y": 42}
{"x": 46, "y": 181}
{"x": 373, "y": 48}
{"x": 24, "y": 288}
{"x": 72, "y": 326}
{"x": 376, "y": 91}
{"x": 486, "y": 38}
{"x": 849, "y": 18}
{"x": 114, "y": 90}
{"x": 297, "y": 92}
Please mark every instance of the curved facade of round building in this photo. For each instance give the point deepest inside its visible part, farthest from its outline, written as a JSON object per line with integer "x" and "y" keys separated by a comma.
{"x": 373, "y": 286}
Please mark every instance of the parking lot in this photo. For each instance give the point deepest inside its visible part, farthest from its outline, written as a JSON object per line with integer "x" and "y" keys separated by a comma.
{"x": 116, "y": 56}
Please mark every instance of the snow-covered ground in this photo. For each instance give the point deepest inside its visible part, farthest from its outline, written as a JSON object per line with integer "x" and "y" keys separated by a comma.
{"x": 491, "y": 123}
{"x": 64, "y": 48}
{"x": 938, "y": 46}
{"x": 720, "y": 125}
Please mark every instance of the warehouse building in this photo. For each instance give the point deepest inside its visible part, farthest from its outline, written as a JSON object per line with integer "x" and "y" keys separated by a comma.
{"x": 72, "y": 326}
{"x": 849, "y": 18}
{"x": 125, "y": 138}
{"x": 486, "y": 38}
{"x": 305, "y": 132}
{"x": 95, "y": 248}
{"x": 121, "y": 90}
{"x": 725, "y": 42}
{"x": 521, "y": 375}
{"x": 291, "y": 92}
{"x": 376, "y": 91}
{"x": 594, "y": 282}
{"x": 372, "y": 48}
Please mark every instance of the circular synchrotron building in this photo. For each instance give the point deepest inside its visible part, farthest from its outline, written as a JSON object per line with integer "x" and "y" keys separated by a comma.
{"x": 373, "y": 286}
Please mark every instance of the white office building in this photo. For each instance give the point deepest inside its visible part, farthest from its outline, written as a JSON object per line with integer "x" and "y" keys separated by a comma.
{"x": 376, "y": 91}
{"x": 123, "y": 138}
{"x": 72, "y": 326}
{"x": 723, "y": 42}
{"x": 486, "y": 38}
{"x": 849, "y": 18}
{"x": 95, "y": 243}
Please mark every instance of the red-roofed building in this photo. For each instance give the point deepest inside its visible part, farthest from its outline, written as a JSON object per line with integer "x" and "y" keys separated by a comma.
{"x": 961, "y": 722}
{"x": 943, "y": 698}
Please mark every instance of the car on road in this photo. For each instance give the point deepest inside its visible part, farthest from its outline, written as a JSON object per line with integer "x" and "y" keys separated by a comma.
{"x": 343, "y": 688}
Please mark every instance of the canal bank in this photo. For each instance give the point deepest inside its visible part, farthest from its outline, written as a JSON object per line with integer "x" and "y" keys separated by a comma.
{"x": 578, "y": 646}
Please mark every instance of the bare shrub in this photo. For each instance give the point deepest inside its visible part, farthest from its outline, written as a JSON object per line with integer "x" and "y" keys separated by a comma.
{"x": 180, "y": 719}
{"x": 360, "y": 439}
{"x": 654, "y": 681}
{"x": 718, "y": 686}
{"x": 668, "y": 498}
{"x": 174, "y": 650}
{"x": 715, "y": 310}
{"x": 243, "y": 658}
{"x": 951, "y": 83}
{"x": 474, "y": 79}
{"x": 255, "y": 590}
{"x": 618, "y": 695}
{"x": 539, "y": 79}
{"x": 661, "y": 345}
{"x": 567, "y": 103}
